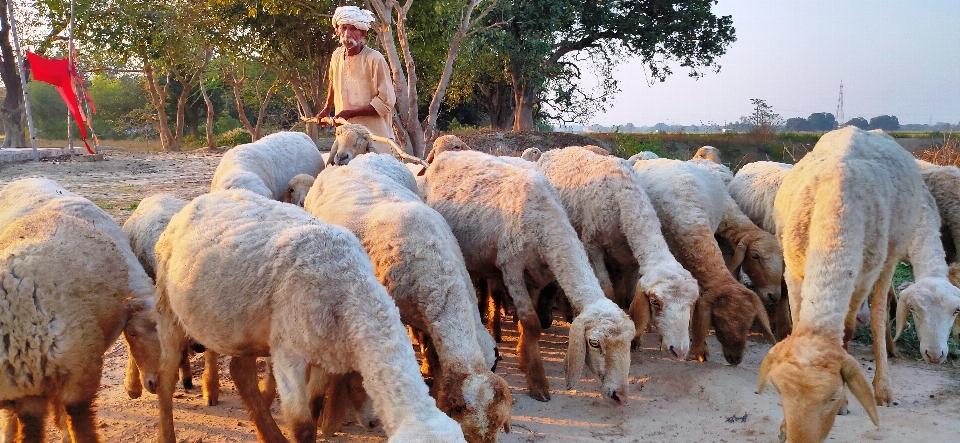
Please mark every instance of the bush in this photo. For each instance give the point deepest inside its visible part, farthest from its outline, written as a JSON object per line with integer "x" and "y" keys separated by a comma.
{"x": 629, "y": 145}
{"x": 234, "y": 137}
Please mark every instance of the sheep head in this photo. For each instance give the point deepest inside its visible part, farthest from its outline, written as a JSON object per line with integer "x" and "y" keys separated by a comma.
{"x": 446, "y": 143}
{"x": 708, "y": 153}
{"x": 297, "y": 189}
{"x": 761, "y": 258}
{"x": 481, "y": 402}
{"x": 934, "y": 303}
{"x": 352, "y": 140}
{"x": 433, "y": 428}
{"x": 143, "y": 341}
{"x": 670, "y": 294}
{"x": 600, "y": 338}
{"x": 809, "y": 372}
{"x": 531, "y": 154}
{"x": 731, "y": 309}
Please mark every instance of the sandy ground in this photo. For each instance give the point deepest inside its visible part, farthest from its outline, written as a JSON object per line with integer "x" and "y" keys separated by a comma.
{"x": 670, "y": 401}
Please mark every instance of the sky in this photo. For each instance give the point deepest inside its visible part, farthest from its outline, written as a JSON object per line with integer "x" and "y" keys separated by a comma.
{"x": 898, "y": 58}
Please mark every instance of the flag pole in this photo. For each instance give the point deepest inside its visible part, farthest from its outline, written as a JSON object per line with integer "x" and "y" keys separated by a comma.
{"x": 70, "y": 73}
{"x": 23, "y": 81}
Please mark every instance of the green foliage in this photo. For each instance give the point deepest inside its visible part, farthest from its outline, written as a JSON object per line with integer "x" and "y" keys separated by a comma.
{"x": 49, "y": 111}
{"x": 233, "y": 137}
{"x": 628, "y": 145}
{"x": 885, "y": 122}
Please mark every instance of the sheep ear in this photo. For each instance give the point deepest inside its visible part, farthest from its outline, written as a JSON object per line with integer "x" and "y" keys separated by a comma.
{"x": 576, "y": 352}
{"x": 430, "y": 156}
{"x": 333, "y": 152}
{"x": 365, "y": 140}
{"x": 640, "y": 311}
{"x": 852, "y": 375}
{"x": 773, "y": 356}
{"x": 764, "y": 321}
{"x": 903, "y": 307}
{"x": 738, "y": 255}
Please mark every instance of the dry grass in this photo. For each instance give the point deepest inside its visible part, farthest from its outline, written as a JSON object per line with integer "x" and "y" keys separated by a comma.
{"x": 126, "y": 145}
{"x": 946, "y": 154}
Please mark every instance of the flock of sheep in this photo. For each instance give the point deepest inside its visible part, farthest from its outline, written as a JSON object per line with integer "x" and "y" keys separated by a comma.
{"x": 333, "y": 273}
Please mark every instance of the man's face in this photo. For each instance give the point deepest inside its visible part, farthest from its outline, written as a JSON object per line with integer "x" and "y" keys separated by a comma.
{"x": 350, "y": 36}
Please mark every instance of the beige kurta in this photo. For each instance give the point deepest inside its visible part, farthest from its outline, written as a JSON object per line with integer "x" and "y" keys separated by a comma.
{"x": 361, "y": 80}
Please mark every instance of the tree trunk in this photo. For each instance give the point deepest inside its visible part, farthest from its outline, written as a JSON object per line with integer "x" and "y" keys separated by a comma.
{"x": 206, "y": 99}
{"x": 497, "y": 99}
{"x": 11, "y": 112}
{"x": 404, "y": 74}
{"x": 307, "y": 109}
{"x": 158, "y": 96}
{"x": 524, "y": 99}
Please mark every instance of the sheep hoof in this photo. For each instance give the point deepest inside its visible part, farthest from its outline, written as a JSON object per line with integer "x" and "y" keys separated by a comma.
{"x": 538, "y": 395}
{"x": 212, "y": 402}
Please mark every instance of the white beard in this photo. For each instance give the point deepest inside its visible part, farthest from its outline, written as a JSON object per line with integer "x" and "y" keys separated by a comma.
{"x": 348, "y": 43}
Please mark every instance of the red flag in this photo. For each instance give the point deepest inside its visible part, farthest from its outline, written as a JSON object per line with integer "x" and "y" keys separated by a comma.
{"x": 57, "y": 73}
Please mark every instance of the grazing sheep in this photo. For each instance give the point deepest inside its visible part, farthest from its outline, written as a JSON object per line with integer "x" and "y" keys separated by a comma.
{"x": 310, "y": 300}
{"x": 33, "y": 195}
{"x": 931, "y": 299}
{"x": 267, "y": 165}
{"x": 353, "y": 140}
{"x": 756, "y": 252}
{"x": 944, "y": 184}
{"x": 57, "y": 324}
{"x": 845, "y": 215}
{"x": 143, "y": 229}
{"x": 297, "y": 189}
{"x": 418, "y": 260}
{"x": 690, "y": 203}
{"x": 642, "y": 155}
{"x": 531, "y": 154}
{"x": 709, "y": 153}
{"x": 509, "y": 223}
{"x": 616, "y": 222}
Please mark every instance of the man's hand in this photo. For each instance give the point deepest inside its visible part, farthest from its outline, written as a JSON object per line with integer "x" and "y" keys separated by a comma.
{"x": 325, "y": 112}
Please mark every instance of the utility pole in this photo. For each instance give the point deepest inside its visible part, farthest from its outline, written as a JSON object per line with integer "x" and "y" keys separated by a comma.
{"x": 840, "y": 119}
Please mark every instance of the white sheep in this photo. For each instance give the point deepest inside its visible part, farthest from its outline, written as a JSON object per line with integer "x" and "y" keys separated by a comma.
{"x": 353, "y": 140}
{"x": 65, "y": 285}
{"x": 640, "y": 156}
{"x": 267, "y": 165}
{"x": 297, "y": 189}
{"x": 446, "y": 143}
{"x": 845, "y": 215}
{"x": 417, "y": 258}
{"x": 690, "y": 203}
{"x": 616, "y": 222}
{"x": 531, "y": 154}
{"x": 708, "y": 153}
{"x": 249, "y": 277}
{"x": 944, "y": 184}
{"x": 509, "y": 223}
{"x": 34, "y": 195}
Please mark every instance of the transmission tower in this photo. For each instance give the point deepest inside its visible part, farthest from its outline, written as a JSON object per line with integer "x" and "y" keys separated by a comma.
{"x": 840, "y": 119}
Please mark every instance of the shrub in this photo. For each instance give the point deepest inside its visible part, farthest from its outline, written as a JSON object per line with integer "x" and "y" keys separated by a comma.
{"x": 234, "y": 137}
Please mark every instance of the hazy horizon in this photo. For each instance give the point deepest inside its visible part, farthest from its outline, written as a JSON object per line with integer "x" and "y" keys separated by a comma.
{"x": 894, "y": 58}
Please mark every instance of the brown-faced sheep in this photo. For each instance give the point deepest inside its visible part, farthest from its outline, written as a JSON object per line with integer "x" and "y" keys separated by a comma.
{"x": 690, "y": 203}
{"x": 510, "y": 223}
{"x": 249, "y": 277}
{"x": 417, "y": 258}
{"x": 297, "y": 189}
{"x": 844, "y": 215}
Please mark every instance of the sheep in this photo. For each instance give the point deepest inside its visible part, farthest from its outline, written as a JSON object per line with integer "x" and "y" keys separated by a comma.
{"x": 297, "y": 189}
{"x": 417, "y": 258}
{"x": 353, "y": 140}
{"x": 616, "y": 222}
{"x": 754, "y": 188}
{"x": 531, "y": 154}
{"x": 709, "y": 153}
{"x": 143, "y": 229}
{"x": 844, "y": 216}
{"x": 33, "y": 195}
{"x": 57, "y": 324}
{"x": 446, "y": 143}
{"x": 249, "y": 277}
{"x": 509, "y": 222}
{"x": 267, "y": 165}
{"x": 944, "y": 184}
{"x": 596, "y": 149}
{"x": 642, "y": 155}
{"x": 690, "y": 203}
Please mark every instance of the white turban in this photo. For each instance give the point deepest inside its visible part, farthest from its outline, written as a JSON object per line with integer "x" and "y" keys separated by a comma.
{"x": 352, "y": 15}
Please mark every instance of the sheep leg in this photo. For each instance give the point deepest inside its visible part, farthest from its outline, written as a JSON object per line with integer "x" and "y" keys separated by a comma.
{"x": 31, "y": 412}
{"x": 700, "y": 330}
{"x": 291, "y": 372}
{"x": 60, "y": 418}
{"x": 131, "y": 381}
{"x": 186, "y": 377}
{"x": 781, "y": 315}
{"x": 528, "y": 347}
{"x": 335, "y": 404}
{"x": 8, "y": 426}
{"x": 495, "y": 306}
{"x": 244, "y": 373}
{"x": 268, "y": 386}
{"x": 211, "y": 377}
{"x": 545, "y": 298}
{"x": 882, "y": 385}
{"x": 892, "y": 351}
{"x": 172, "y": 343}
{"x": 76, "y": 397}
{"x": 595, "y": 255}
